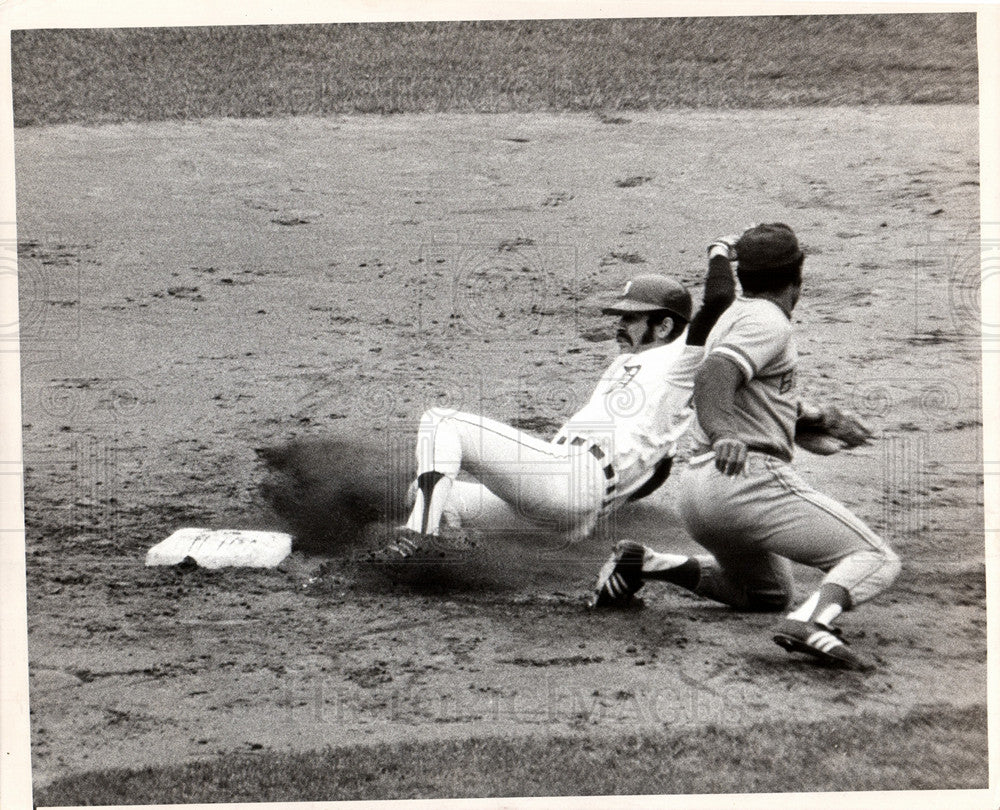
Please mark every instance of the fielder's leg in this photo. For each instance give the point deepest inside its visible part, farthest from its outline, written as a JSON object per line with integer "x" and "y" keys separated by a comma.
{"x": 769, "y": 510}
{"x": 748, "y": 580}
{"x": 819, "y": 531}
{"x": 721, "y": 513}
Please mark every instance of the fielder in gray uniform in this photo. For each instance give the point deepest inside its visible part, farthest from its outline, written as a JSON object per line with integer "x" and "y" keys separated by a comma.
{"x": 739, "y": 496}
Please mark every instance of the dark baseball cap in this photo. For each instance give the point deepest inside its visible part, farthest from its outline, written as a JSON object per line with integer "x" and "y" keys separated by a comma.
{"x": 653, "y": 294}
{"x": 772, "y": 244}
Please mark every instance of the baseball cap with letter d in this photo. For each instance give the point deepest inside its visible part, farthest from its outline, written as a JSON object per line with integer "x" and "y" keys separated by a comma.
{"x": 653, "y": 293}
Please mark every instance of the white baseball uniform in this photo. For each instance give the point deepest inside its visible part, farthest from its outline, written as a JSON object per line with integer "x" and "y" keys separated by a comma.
{"x": 602, "y": 455}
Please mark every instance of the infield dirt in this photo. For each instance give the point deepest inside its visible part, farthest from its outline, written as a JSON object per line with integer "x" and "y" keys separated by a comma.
{"x": 191, "y": 292}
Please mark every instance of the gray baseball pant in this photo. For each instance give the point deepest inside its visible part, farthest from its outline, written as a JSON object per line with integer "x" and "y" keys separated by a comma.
{"x": 753, "y": 523}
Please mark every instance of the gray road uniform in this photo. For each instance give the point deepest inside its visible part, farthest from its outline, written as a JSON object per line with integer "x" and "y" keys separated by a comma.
{"x": 753, "y": 523}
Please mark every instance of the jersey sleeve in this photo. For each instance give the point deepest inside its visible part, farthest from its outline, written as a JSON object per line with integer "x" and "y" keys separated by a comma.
{"x": 673, "y": 414}
{"x": 753, "y": 341}
{"x": 683, "y": 372}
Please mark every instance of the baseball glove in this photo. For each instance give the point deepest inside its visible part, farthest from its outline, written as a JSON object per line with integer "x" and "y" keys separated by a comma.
{"x": 825, "y": 431}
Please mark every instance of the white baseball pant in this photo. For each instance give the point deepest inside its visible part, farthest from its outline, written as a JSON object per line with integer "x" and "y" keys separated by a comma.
{"x": 520, "y": 479}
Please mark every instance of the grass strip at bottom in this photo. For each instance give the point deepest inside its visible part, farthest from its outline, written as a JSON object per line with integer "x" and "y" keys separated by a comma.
{"x": 931, "y": 748}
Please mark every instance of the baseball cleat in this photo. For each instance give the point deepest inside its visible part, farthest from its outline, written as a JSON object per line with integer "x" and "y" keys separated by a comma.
{"x": 819, "y": 641}
{"x": 620, "y": 577}
{"x": 404, "y": 544}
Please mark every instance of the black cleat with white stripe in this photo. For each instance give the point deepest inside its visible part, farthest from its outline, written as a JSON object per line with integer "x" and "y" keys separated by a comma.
{"x": 819, "y": 641}
{"x": 620, "y": 577}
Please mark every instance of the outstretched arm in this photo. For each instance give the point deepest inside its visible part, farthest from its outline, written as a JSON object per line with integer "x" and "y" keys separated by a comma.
{"x": 720, "y": 290}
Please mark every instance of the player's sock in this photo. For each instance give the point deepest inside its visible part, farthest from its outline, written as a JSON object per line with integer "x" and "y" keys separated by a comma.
{"x": 828, "y": 615}
{"x": 833, "y": 600}
{"x": 824, "y": 606}
{"x": 676, "y": 569}
{"x": 433, "y": 489}
{"x": 805, "y": 611}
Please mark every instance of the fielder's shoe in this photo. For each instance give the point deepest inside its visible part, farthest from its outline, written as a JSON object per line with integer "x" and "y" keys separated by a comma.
{"x": 818, "y": 640}
{"x": 620, "y": 577}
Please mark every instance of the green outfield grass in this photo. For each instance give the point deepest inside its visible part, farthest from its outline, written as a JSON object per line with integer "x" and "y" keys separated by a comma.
{"x": 931, "y": 749}
{"x": 115, "y": 75}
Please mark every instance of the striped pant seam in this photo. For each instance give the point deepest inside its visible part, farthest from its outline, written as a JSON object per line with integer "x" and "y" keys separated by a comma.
{"x": 793, "y": 490}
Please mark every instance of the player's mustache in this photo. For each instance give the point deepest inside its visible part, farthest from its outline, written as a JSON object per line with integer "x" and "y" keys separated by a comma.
{"x": 624, "y": 336}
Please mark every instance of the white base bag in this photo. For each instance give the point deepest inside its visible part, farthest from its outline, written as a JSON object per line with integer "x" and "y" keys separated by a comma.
{"x": 222, "y": 548}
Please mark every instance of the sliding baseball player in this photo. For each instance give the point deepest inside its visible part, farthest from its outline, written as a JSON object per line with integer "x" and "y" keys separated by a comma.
{"x": 615, "y": 449}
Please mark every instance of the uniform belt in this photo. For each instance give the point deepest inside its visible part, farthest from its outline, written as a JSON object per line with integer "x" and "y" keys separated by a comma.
{"x": 769, "y": 450}
{"x": 600, "y": 455}
{"x": 753, "y": 448}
